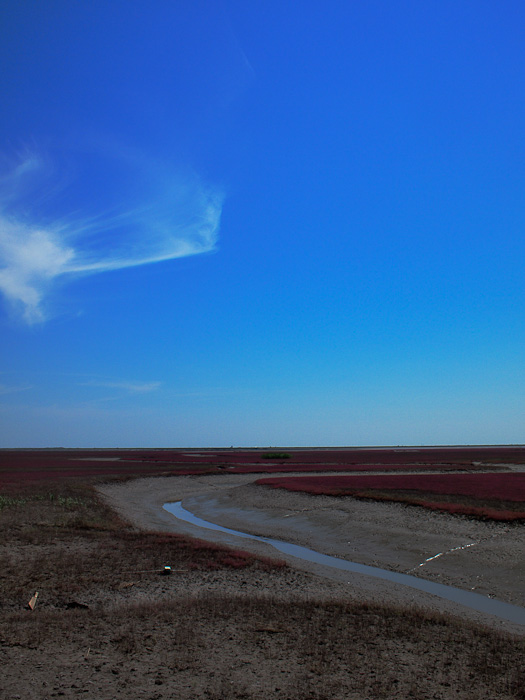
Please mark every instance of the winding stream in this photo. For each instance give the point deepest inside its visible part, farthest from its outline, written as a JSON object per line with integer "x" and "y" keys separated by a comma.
{"x": 475, "y": 601}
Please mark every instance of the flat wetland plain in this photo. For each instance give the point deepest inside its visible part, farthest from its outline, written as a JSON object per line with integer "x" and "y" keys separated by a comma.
{"x": 86, "y": 529}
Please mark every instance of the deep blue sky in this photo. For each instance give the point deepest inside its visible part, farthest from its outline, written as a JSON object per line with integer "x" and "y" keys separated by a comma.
{"x": 262, "y": 223}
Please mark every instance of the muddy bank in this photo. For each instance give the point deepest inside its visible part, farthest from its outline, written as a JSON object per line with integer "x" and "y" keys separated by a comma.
{"x": 473, "y": 555}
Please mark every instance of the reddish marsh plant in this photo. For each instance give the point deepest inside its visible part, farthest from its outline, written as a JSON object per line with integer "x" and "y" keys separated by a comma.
{"x": 498, "y": 496}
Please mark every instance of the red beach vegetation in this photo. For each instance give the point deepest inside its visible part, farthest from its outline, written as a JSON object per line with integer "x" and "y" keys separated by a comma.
{"x": 37, "y": 465}
{"x": 497, "y": 496}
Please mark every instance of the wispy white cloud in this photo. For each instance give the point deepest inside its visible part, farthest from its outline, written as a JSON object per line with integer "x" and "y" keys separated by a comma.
{"x": 31, "y": 259}
{"x": 130, "y": 387}
{"x": 12, "y": 389}
{"x": 178, "y": 216}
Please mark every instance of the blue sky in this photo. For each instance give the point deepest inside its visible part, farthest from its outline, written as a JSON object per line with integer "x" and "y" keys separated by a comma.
{"x": 262, "y": 223}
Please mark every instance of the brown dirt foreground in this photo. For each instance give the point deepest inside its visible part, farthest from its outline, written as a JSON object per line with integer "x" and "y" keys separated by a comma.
{"x": 259, "y": 632}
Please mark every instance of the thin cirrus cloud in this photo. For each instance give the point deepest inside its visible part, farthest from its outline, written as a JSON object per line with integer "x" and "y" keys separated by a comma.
{"x": 175, "y": 216}
{"x": 12, "y": 389}
{"x": 130, "y": 387}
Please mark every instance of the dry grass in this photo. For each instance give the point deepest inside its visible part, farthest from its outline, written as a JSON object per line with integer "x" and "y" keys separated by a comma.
{"x": 62, "y": 539}
{"x": 225, "y": 647}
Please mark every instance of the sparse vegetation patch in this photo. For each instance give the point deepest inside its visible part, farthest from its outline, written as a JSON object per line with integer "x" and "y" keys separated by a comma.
{"x": 214, "y": 646}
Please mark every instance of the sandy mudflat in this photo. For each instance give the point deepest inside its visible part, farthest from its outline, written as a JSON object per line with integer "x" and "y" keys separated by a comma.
{"x": 292, "y": 633}
{"x": 390, "y": 536}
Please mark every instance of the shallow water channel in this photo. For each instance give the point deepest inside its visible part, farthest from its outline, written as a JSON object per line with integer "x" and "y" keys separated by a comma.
{"x": 475, "y": 601}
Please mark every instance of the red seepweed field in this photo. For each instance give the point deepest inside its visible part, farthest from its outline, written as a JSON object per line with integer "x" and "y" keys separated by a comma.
{"x": 497, "y": 496}
{"x": 37, "y": 465}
